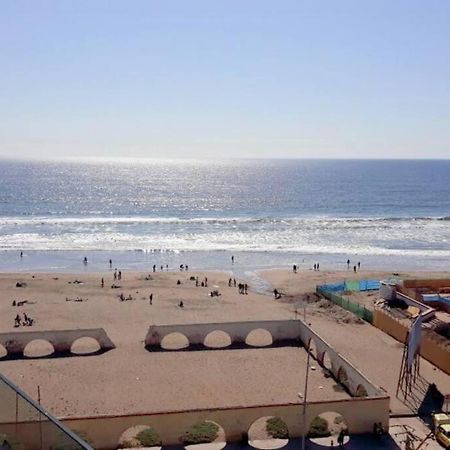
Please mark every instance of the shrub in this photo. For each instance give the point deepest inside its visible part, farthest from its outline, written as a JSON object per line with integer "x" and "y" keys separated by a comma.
{"x": 149, "y": 438}
{"x": 201, "y": 433}
{"x": 276, "y": 428}
{"x": 65, "y": 444}
{"x": 11, "y": 441}
{"x": 319, "y": 428}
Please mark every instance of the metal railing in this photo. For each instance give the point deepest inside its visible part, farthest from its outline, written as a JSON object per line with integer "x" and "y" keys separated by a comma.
{"x": 355, "y": 308}
{"x": 26, "y": 425}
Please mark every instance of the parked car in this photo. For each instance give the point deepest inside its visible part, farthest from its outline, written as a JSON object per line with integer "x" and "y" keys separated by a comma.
{"x": 442, "y": 434}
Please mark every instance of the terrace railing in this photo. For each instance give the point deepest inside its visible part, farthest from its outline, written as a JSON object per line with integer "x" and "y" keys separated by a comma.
{"x": 26, "y": 425}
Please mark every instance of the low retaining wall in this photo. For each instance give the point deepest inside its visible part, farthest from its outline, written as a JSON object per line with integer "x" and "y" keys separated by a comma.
{"x": 61, "y": 340}
{"x": 430, "y": 348}
{"x": 196, "y": 334}
{"x": 105, "y": 432}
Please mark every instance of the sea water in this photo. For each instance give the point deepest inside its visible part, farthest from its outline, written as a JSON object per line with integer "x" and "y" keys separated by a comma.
{"x": 267, "y": 213}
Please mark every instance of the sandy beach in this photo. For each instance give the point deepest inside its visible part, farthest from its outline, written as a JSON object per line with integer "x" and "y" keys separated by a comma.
{"x": 130, "y": 379}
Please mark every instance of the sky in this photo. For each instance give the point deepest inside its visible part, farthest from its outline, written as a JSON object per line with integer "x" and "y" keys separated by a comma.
{"x": 218, "y": 79}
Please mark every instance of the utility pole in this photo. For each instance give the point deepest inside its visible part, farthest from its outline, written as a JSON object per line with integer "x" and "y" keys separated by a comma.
{"x": 305, "y": 397}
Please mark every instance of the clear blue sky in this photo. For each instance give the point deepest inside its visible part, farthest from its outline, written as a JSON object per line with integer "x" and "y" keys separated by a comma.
{"x": 213, "y": 78}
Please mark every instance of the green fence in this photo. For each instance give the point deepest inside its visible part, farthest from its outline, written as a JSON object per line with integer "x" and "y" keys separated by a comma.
{"x": 355, "y": 308}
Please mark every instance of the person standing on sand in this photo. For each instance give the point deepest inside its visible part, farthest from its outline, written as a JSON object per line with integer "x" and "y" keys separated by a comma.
{"x": 354, "y": 269}
{"x": 294, "y": 268}
{"x": 110, "y": 263}
{"x": 359, "y": 265}
{"x": 103, "y": 283}
{"x": 232, "y": 259}
{"x": 151, "y": 299}
{"x": 85, "y": 260}
{"x": 348, "y": 264}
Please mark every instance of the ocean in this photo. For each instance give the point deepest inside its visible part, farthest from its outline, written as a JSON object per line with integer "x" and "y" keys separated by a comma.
{"x": 267, "y": 213}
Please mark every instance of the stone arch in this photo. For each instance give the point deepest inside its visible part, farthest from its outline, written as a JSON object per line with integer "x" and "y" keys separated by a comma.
{"x": 217, "y": 339}
{"x": 361, "y": 391}
{"x": 174, "y": 341}
{"x": 3, "y": 351}
{"x": 326, "y": 362}
{"x": 219, "y": 442}
{"x": 260, "y": 437}
{"x": 129, "y": 438}
{"x": 326, "y": 426}
{"x": 38, "y": 348}
{"x": 259, "y": 337}
{"x": 85, "y": 345}
{"x": 342, "y": 377}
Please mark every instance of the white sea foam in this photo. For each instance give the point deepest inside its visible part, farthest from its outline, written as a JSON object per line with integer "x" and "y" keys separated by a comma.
{"x": 312, "y": 235}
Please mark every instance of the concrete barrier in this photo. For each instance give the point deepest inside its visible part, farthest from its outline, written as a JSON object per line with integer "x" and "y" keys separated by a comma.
{"x": 61, "y": 340}
{"x": 106, "y": 431}
{"x": 280, "y": 330}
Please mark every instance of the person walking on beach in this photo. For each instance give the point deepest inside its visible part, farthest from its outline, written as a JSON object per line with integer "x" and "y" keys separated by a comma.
{"x": 115, "y": 275}
{"x": 348, "y": 264}
{"x": 119, "y": 277}
{"x": 340, "y": 439}
{"x": 21, "y": 254}
{"x": 232, "y": 259}
{"x": 103, "y": 283}
{"x": 85, "y": 260}
{"x": 314, "y": 267}
{"x": 354, "y": 269}
{"x": 359, "y": 265}
{"x": 110, "y": 263}
{"x": 154, "y": 267}
{"x": 318, "y": 266}
{"x": 294, "y": 268}
{"x": 150, "y": 298}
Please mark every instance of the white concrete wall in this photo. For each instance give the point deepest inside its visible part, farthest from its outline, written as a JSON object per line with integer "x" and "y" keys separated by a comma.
{"x": 105, "y": 432}
{"x": 238, "y": 331}
{"x": 61, "y": 340}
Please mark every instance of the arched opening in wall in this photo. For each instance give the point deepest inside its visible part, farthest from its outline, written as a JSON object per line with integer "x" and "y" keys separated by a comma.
{"x": 217, "y": 339}
{"x": 361, "y": 391}
{"x": 139, "y": 436}
{"x": 326, "y": 364}
{"x": 3, "y": 352}
{"x": 85, "y": 346}
{"x": 270, "y": 432}
{"x": 174, "y": 341}
{"x": 38, "y": 348}
{"x": 328, "y": 428}
{"x": 9, "y": 441}
{"x": 259, "y": 338}
{"x": 204, "y": 433}
{"x": 342, "y": 377}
